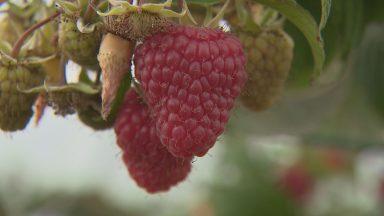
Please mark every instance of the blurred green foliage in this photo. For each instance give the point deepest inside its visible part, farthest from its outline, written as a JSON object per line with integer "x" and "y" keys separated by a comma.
{"x": 341, "y": 34}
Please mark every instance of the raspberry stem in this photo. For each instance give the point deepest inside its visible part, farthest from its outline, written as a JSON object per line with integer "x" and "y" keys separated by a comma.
{"x": 62, "y": 69}
{"x": 19, "y": 43}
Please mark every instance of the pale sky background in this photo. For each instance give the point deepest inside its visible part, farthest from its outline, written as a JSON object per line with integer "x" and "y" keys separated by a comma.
{"x": 63, "y": 154}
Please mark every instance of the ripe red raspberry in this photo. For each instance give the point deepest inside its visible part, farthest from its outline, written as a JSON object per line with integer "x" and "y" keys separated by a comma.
{"x": 190, "y": 78}
{"x": 297, "y": 183}
{"x": 148, "y": 161}
{"x": 381, "y": 190}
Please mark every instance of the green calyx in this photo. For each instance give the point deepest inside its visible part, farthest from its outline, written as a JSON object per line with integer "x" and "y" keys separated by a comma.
{"x": 76, "y": 8}
{"x": 124, "y": 7}
{"x": 24, "y": 60}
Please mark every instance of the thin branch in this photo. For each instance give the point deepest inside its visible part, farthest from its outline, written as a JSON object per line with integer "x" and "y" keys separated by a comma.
{"x": 19, "y": 43}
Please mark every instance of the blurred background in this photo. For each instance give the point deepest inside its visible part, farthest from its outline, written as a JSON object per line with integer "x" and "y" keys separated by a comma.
{"x": 318, "y": 152}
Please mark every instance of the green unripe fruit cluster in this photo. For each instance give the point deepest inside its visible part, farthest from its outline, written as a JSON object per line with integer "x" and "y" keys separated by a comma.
{"x": 92, "y": 118}
{"x": 16, "y": 106}
{"x": 270, "y": 55}
{"x": 88, "y": 110}
{"x": 82, "y": 48}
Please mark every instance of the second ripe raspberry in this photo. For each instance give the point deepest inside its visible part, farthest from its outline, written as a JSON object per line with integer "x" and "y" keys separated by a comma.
{"x": 190, "y": 78}
{"x": 148, "y": 161}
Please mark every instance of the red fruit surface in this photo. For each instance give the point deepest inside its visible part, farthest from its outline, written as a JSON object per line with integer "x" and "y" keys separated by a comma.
{"x": 297, "y": 183}
{"x": 190, "y": 78}
{"x": 149, "y": 163}
{"x": 381, "y": 190}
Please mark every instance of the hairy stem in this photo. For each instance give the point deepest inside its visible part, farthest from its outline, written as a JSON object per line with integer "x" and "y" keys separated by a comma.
{"x": 19, "y": 43}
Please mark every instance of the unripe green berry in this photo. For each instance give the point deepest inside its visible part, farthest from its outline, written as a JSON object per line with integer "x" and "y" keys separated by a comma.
{"x": 15, "y": 106}
{"x": 270, "y": 55}
{"x": 82, "y": 48}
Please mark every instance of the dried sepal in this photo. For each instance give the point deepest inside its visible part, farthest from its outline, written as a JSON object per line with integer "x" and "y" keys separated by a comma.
{"x": 40, "y": 105}
{"x": 115, "y": 61}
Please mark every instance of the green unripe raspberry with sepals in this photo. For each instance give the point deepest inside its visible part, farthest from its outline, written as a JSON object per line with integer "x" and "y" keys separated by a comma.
{"x": 270, "y": 55}
{"x": 92, "y": 118}
{"x": 88, "y": 109}
{"x": 16, "y": 106}
{"x": 82, "y": 48}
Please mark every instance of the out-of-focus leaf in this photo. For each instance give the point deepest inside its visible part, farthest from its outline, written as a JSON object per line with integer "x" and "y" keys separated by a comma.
{"x": 373, "y": 11}
{"x": 356, "y": 125}
{"x": 253, "y": 189}
{"x": 370, "y": 66}
{"x": 5, "y": 47}
{"x": 325, "y": 10}
{"x": 203, "y": 2}
{"x": 25, "y": 10}
{"x": 341, "y": 34}
{"x": 120, "y": 95}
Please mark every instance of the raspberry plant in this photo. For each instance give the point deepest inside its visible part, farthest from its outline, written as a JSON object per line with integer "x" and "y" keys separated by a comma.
{"x": 187, "y": 74}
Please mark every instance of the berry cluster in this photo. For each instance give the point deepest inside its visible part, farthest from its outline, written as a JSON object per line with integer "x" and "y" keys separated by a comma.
{"x": 190, "y": 78}
{"x": 186, "y": 78}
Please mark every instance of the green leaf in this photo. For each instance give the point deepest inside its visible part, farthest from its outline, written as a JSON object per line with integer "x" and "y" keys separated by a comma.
{"x": 203, "y": 2}
{"x": 325, "y": 11}
{"x": 80, "y": 87}
{"x": 5, "y": 46}
{"x": 4, "y": 58}
{"x": 123, "y": 7}
{"x": 113, "y": 11}
{"x": 84, "y": 78}
{"x": 68, "y": 7}
{"x": 34, "y": 60}
{"x": 305, "y": 22}
{"x": 120, "y": 95}
{"x": 25, "y": 10}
